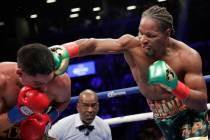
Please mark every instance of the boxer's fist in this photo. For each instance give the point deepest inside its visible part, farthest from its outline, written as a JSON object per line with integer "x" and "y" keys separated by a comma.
{"x": 32, "y": 101}
{"x": 62, "y": 55}
{"x": 160, "y": 73}
{"x": 61, "y": 58}
{"x": 35, "y": 127}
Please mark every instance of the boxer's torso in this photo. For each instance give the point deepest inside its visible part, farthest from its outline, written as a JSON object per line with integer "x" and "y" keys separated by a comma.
{"x": 139, "y": 63}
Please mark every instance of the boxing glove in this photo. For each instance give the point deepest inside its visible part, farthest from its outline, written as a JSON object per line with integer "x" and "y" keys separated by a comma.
{"x": 35, "y": 126}
{"x": 160, "y": 73}
{"x": 30, "y": 101}
{"x": 62, "y": 55}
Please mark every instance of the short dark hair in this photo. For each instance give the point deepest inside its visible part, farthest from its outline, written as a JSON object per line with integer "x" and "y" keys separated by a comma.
{"x": 161, "y": 15}
{"x": 35, "y": 59}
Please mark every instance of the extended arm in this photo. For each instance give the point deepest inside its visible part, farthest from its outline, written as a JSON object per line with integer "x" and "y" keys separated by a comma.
{"x": 82, "y": 47}
{"x": 105, "y": 46}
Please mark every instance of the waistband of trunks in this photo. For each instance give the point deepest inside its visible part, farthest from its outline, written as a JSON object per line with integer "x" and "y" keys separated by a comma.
{"x": 166, "y": 108}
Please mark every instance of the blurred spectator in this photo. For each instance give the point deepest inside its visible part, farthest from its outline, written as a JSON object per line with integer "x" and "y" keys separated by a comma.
{"x": 97, "y": 84}
{"x": 149, "y": 131}
{"x": 128, "y": 80}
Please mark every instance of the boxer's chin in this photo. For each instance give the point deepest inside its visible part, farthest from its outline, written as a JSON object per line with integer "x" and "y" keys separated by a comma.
{"x": 149, "y": 53}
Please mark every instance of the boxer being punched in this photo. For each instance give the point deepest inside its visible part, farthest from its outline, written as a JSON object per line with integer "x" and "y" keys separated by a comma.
{"x": 31, "y": 93}
{"x": 168, "y": 72}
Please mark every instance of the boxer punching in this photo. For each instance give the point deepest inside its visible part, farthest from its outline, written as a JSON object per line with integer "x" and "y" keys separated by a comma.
{"x": 168, "y": 72}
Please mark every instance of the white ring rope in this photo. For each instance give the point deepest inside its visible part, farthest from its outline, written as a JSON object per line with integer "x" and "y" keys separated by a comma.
{"x": 134, "y": 118}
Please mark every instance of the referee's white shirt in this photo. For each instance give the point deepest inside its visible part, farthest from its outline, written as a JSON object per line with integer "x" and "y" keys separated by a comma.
{"x": 67, "y": 129}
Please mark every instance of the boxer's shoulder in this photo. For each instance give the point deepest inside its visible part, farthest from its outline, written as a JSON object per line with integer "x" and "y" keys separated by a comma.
{"x": 60, "y": 81}
{"x": 60, "y": 87}
{"x": 3, "y": 79}
{"x": 128, "y": 41}
{"x": 3, "y": 84}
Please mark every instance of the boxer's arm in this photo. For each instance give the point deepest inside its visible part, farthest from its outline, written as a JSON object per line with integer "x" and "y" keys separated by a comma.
{"x": 62, "y": 105}
{"x": 104, "y": 46}
{"x": 5, "y": 124}
{"x": 56, "y": 108}
{"x": 82, "y": 47}
{"x": 161, "y": 74}
{"x": 62, "y": 96}
{"x": 64, "y": 89}
{"x": 195, "y": 81}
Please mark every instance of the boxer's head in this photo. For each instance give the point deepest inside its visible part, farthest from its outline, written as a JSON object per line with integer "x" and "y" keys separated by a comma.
{"x": 88, "y": 106}
{"x": 155, "y": 29}
{"x": 35, "y": 65}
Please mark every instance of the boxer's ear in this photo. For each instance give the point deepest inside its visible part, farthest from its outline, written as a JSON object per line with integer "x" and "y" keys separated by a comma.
{"x": 168, "y": 32}
{"x": 19, "y": 72}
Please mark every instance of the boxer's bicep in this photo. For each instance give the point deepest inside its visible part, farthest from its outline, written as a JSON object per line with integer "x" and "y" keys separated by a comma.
{"x": 93, "y": 46}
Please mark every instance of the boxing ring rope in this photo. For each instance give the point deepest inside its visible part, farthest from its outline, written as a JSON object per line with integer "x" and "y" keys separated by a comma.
{"x": 134, "y": 118}
{"x": 124, "y": 92}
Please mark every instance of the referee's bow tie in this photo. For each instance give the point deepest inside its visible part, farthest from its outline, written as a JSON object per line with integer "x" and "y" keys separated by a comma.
{"x": 89, "y": 127}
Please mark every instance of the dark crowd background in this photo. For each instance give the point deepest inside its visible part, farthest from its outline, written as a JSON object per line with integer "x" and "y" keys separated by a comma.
{"x": 191, "y": 23}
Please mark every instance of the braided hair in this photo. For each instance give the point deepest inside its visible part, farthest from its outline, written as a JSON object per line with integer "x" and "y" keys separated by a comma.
{"x": 161, "y": 15}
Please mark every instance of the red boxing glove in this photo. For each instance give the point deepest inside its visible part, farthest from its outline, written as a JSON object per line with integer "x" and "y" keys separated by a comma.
{"x": 35, "y": 127}
{"x": 32, "y": 101}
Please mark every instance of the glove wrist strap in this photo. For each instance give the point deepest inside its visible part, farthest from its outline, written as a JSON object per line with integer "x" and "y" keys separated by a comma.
{"x": 15, "y": 116}
{"x": 181, "y": 91}
{"x": 72, "y": 48}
